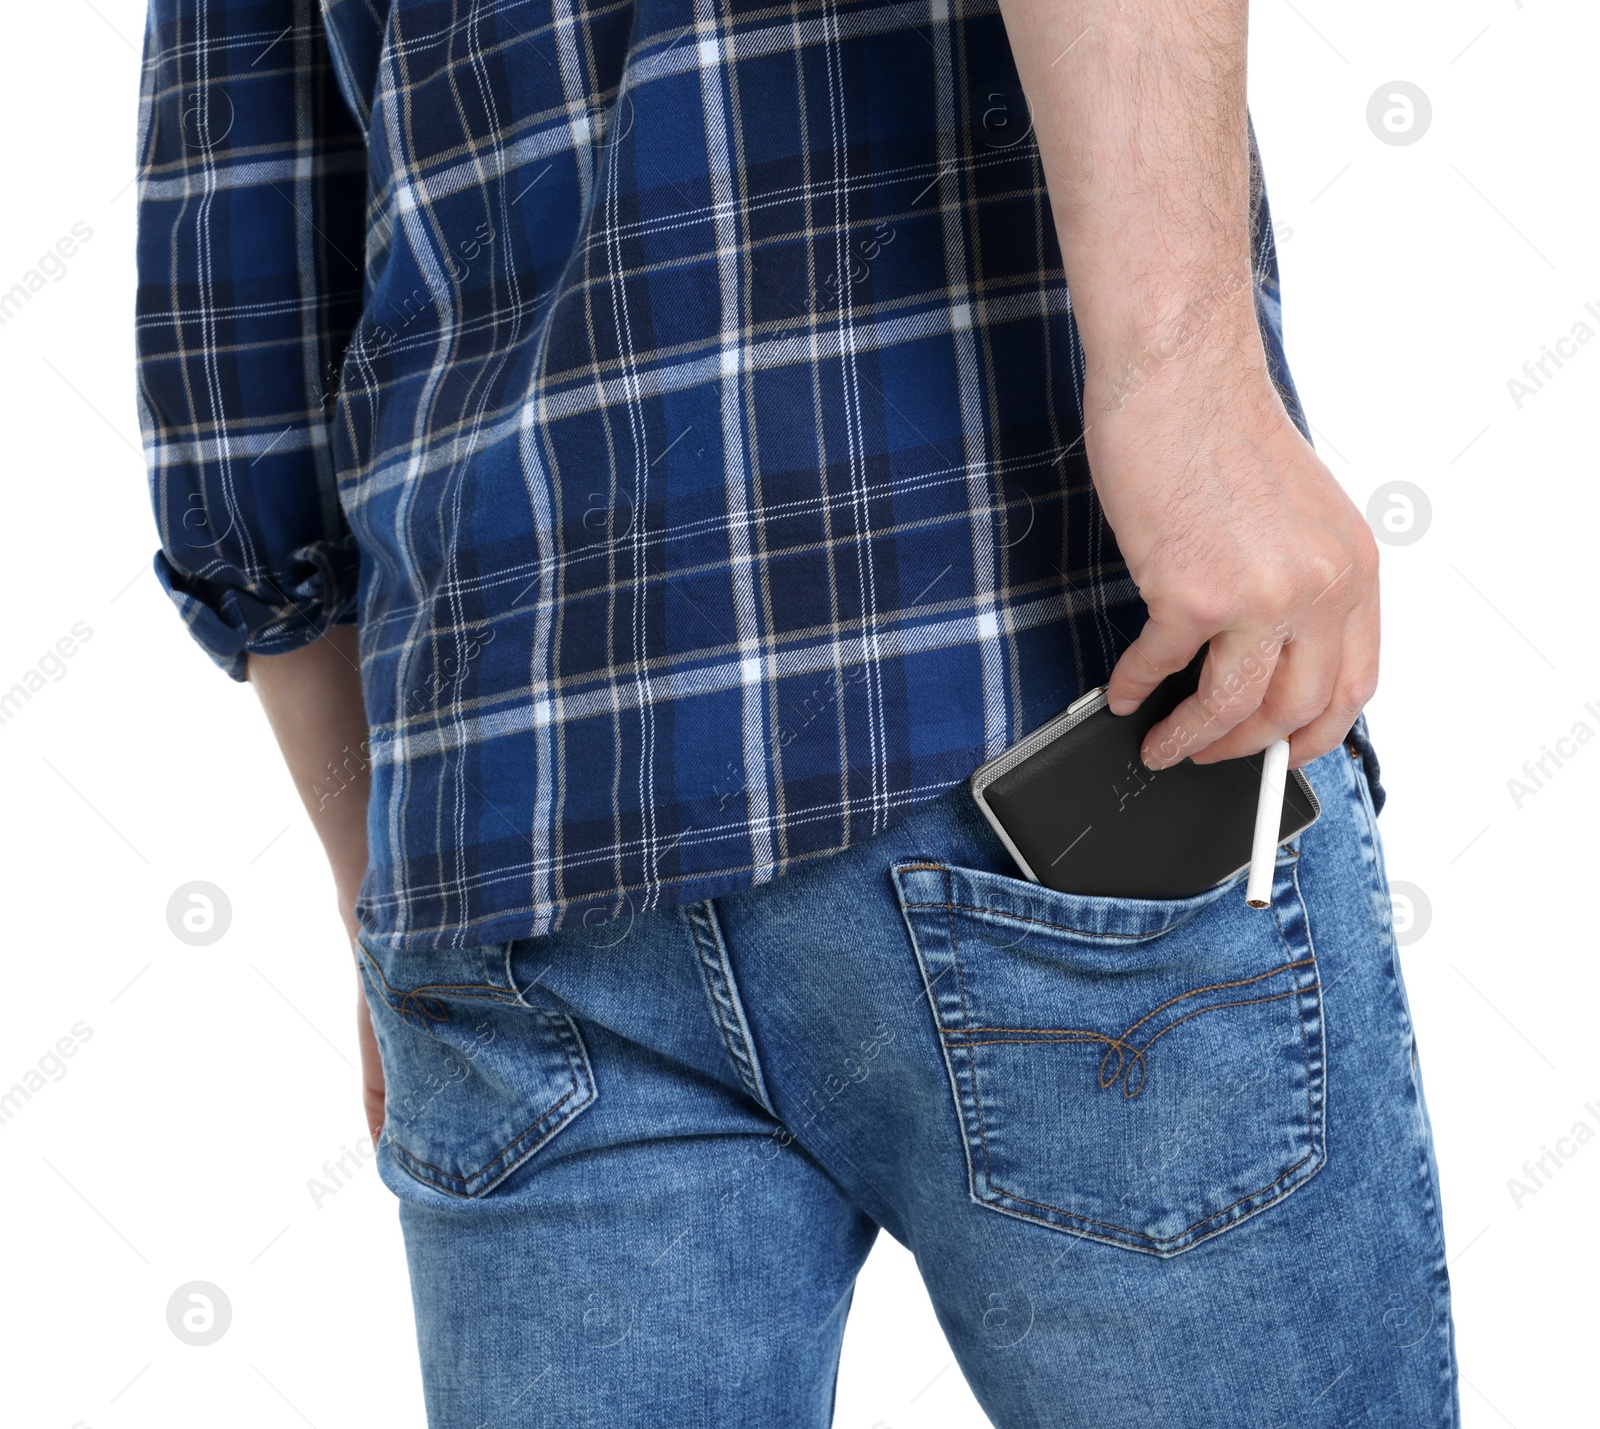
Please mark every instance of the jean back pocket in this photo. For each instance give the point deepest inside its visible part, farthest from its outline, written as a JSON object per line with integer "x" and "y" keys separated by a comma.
{"x": 1145, "y": 1073}
{"x": 476, "y": 1078}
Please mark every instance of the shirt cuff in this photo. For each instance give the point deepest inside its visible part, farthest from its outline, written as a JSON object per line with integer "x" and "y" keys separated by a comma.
{"x": 272, "y": 616}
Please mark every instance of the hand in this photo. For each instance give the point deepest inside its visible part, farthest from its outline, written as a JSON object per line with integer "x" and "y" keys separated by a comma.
{"x": 1235, "y": 532}
{"x": 372, "y": 1083}
{"x": 1232, "y": 528}
{"x": 371, "y": 1067}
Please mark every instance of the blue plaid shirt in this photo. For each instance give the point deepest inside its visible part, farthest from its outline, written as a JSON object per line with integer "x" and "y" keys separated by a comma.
{"x": 684, "y": 399}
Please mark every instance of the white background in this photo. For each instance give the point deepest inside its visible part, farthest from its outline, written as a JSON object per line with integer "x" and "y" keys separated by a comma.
{"x": 1418, "y": 279}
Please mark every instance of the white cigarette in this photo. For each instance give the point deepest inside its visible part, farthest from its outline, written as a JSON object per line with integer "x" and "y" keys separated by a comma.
{"x": 1269, "y": 819}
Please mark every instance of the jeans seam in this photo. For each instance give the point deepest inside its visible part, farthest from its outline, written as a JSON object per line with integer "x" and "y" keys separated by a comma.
{"x": 727, "y": 1008}
{"x": 1426, "y": 1178}
{"x": 406, "y": 1001}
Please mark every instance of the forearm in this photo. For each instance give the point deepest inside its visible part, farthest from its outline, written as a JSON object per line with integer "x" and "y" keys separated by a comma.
{"x": 1235, "y": 533}
{"x": 1138, "y": 107}
{"x": 312, "y": 698}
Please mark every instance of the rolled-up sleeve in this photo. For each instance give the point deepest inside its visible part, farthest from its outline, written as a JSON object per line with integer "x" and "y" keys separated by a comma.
{"x": 251, "y": 202}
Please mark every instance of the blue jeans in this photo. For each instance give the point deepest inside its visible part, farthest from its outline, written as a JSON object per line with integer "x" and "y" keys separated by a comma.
{"x": 1158, "y": 1162}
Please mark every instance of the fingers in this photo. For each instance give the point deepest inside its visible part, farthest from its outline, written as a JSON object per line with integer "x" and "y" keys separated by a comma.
{"x": 1233, "y": 682}
{"x": 1353, "y": 686}
{"x": 372, "y": 1107}
{"x": 371, "y": 1069}
{"x": 1319, "y": 687}
{"x": 1163, "y": 648}
{"x": 1296, "y": 694}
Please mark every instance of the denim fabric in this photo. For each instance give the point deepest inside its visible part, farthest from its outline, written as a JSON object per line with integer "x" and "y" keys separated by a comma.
{"x": 1361, "y": 741}
{"x": 1159, "y": 1162}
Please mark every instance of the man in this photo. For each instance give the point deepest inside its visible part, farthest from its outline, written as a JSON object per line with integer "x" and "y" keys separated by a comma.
{"x": 687, "y": 406}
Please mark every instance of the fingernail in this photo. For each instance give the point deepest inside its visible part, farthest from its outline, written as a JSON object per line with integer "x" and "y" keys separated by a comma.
{"x": 1122, "y": 705}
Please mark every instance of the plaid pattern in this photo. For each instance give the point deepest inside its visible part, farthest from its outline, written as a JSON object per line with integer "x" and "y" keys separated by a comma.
{"x": 685, "y": 397}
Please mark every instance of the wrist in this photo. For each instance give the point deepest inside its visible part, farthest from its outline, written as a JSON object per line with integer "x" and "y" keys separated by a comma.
{"x": 1178, "y": 344}
{"x": 1212, "y": 400}
{"x": 1202, "y": 423}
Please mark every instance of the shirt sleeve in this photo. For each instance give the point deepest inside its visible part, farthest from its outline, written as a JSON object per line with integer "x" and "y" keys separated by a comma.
{"x": 251, "y": 222}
